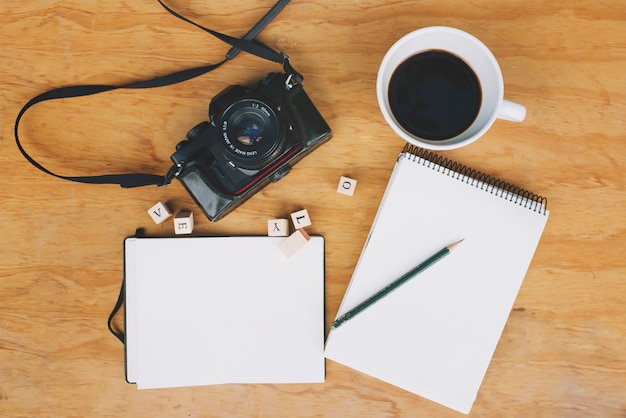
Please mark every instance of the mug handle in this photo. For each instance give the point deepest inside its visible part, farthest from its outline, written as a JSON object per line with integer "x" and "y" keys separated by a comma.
{"x": 512, "y": 111}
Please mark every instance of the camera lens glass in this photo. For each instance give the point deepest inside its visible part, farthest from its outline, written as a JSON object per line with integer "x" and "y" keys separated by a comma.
{"x": 251, "y": 133}
{"x": 249, "y": 128}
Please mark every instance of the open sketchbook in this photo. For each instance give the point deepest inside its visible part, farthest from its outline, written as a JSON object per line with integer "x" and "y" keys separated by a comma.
{"x": 435, "y": 335}
{"x": 211, "y": 310}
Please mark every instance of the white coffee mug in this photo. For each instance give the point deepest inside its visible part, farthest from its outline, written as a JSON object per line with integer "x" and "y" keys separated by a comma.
{"x": 481, "y": 61}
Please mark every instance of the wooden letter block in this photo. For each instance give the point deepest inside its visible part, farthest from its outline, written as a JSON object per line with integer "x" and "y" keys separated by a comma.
{"x": 183, "y": 222}
{"x": 295, "y": 242}
{"x": 159, "y": 212}
{"x": 346, "y": 186}
{"x": 301, "y": 219}
{"x": 278, "y": 227}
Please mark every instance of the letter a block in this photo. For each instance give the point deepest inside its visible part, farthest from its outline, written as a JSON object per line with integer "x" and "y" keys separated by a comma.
{"x": 346, "y": 186}
{"x": 159, "y": 212}
{"x": 183, "y": 222}
{"x": 278, "y": 227}
{"x": 301, "y": 219}
{"x": 295, "y": 242}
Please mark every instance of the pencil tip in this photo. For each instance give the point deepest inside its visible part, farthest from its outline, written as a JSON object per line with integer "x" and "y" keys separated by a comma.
{"x": 456, "y": 244}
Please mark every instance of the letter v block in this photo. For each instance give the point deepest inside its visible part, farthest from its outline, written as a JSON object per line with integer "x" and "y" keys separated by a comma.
{"x": 159, "y": 212}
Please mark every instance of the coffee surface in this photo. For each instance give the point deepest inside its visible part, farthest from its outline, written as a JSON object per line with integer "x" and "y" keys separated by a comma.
{"x": 434, "y": 95}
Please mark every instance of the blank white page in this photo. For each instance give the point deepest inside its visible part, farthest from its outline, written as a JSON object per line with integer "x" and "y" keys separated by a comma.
{"x": 436, "y": 334}
{"x": 214, "y": 310}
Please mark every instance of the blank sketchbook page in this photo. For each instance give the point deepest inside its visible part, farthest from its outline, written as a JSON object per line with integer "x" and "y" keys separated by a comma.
{"x": 435, "y": 335}
{"x": 211, "y": 310}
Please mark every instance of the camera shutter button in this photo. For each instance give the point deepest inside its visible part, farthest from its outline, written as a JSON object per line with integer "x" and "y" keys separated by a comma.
{"x": 280, "y": 173}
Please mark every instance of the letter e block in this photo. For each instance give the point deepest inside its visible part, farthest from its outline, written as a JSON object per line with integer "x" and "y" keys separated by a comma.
{"x": 295, "y": 242}
{"x": 159, "y": 212}
{"x": 346, "y": 186}
{"x": 183, "y": 222}
{"x": 278, "y": 227}
{"x": 301, "y": 219}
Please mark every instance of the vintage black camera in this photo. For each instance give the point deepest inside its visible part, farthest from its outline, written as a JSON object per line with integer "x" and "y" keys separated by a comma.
{"x": 253, "y": 138}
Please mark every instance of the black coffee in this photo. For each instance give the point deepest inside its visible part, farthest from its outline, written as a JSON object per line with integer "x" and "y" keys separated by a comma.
{"x": 434, "y": 95}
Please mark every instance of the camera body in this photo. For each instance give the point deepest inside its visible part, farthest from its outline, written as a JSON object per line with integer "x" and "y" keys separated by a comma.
{"x": 253, "y": 138}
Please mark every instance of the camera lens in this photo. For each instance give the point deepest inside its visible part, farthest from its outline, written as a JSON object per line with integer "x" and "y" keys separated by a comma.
{"x": 249, "y": 128}
{"x": 251, "y": 133}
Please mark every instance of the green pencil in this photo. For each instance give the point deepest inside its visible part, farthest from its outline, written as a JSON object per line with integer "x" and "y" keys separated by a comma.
{"x": 393, "y": 285}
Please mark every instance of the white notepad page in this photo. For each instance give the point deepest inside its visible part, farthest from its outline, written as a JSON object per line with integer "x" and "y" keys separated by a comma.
{"x": 215, "y": 310}
{"x": 436, "y": 334}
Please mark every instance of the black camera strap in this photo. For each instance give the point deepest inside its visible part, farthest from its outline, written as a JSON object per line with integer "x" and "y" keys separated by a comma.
{"x": 246, "y": 44}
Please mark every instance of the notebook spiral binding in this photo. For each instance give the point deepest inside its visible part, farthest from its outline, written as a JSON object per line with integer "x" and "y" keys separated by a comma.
{"x": 477, "y": 179}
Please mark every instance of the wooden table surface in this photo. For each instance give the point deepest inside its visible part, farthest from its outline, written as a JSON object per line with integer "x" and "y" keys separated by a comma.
{"x": 563, "y": 351}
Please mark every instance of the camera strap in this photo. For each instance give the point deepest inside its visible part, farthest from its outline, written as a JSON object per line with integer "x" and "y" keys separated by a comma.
{"x": 129, "y": 180}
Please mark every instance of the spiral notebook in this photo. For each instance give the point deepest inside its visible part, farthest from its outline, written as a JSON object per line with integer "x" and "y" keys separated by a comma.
{"x": 215, "y": 310}
{"x": 435, "y": 335}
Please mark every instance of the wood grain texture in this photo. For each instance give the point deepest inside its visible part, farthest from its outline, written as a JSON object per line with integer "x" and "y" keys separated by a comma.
{"x": 563, "y": 351}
